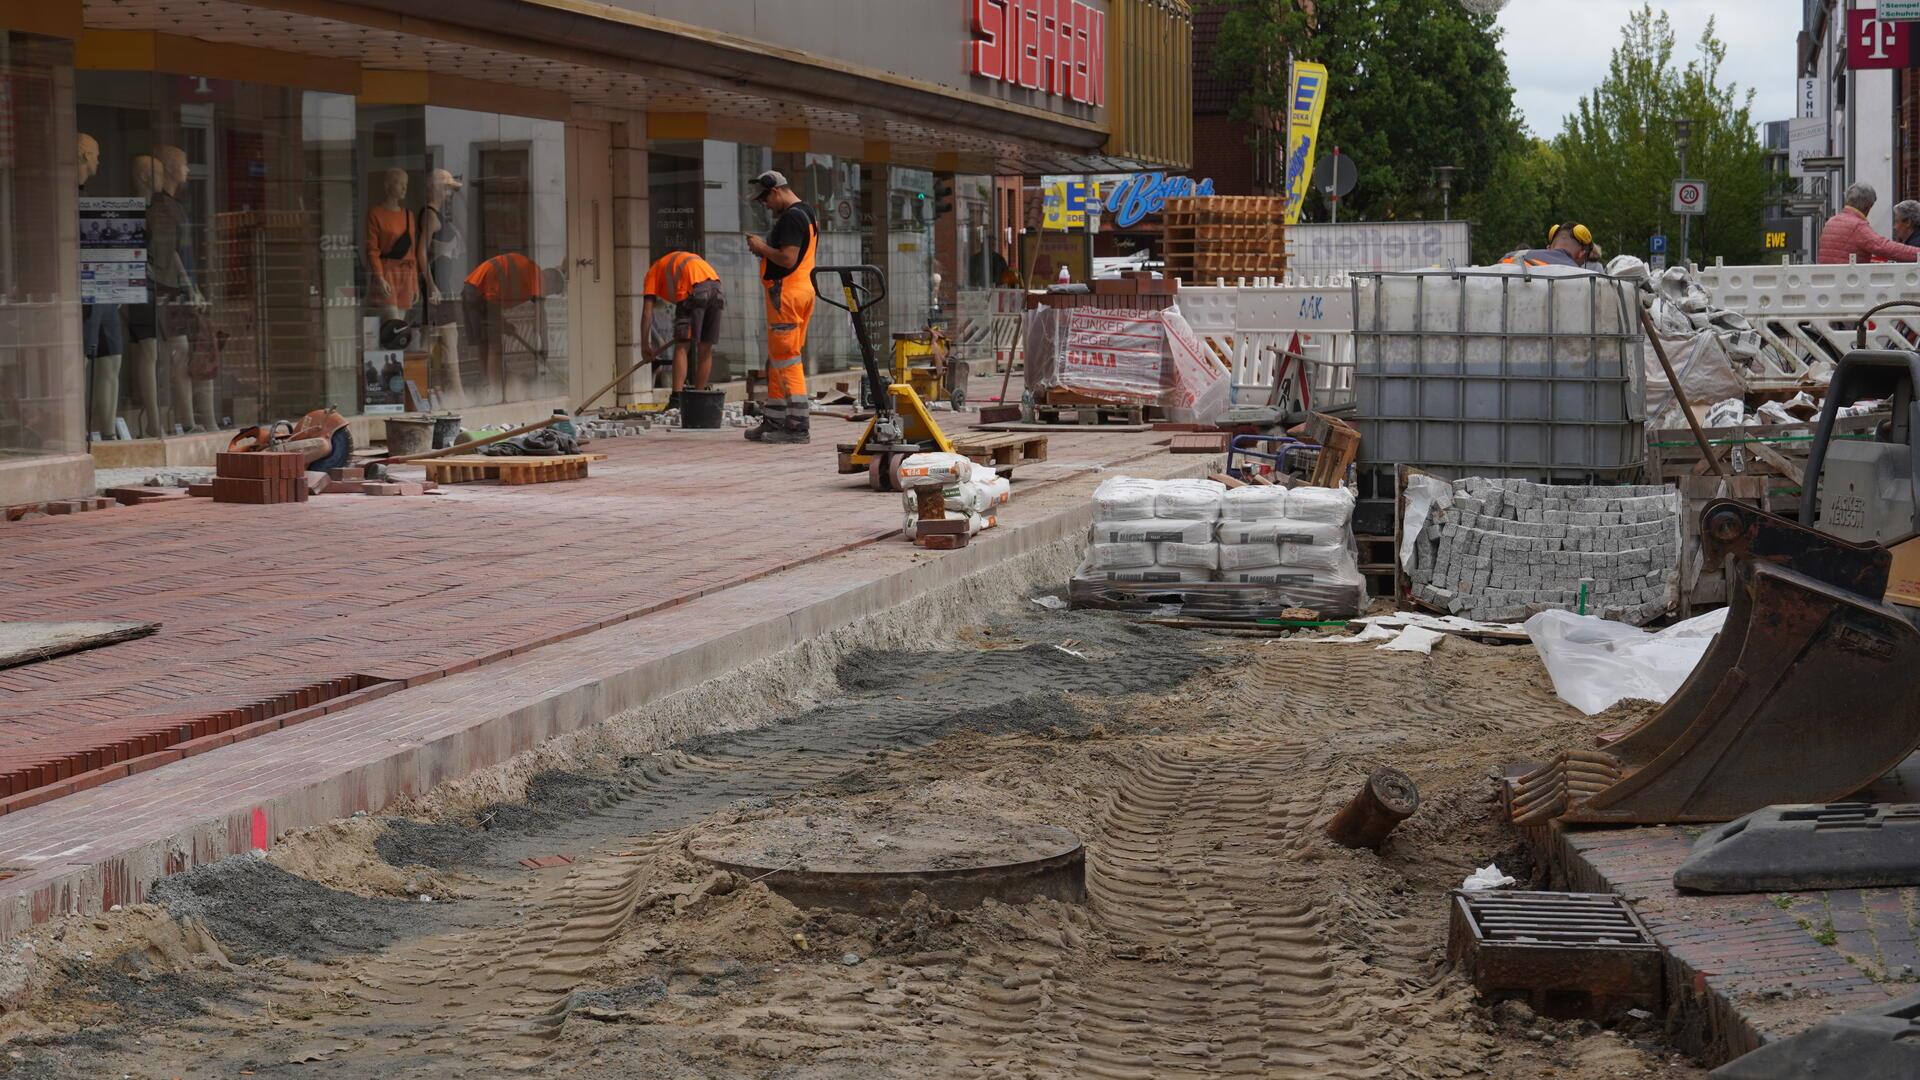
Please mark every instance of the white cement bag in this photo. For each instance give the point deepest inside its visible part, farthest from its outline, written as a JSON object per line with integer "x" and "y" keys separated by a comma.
{"x": 995, "y": 489}
{"x": 1249, "y": 556}
{"x": 1255, "y": 504}
{"x": 1125, "y": 498}
{"x": 1329, "y": 557}
{"x": 1271, "y": 576}
{"x": 1120, "y": 556}
{"x": 967, "y": 497}
{"x": 1152, "y": 531}
{"x": 1316, "y": 533}
{"x": 1331, "y": 505}
{"x": 1190, "y": 499}
{"x": 1194, "y": 556}
{"x": 921, "y": 469}
{"x": 1153, "y": 575}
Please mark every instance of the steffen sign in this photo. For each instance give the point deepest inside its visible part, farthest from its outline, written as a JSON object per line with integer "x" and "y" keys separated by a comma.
{"x": 1057, "y": 47}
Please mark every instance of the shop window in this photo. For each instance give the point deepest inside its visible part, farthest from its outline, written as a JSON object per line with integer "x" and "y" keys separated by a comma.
{"x": 41, "y": 408}
{"x": 239, "y": 194}
{"x": 463, "y": 237}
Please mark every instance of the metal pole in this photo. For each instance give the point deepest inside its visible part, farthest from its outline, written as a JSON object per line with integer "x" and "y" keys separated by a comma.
{"x": 1686, "y": 220}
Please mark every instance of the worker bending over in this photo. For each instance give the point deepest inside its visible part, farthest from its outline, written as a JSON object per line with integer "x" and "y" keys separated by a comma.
{"x": 786, "y": 269}
{"x": 1570, "y": 244}
{"x": 692, "y": 286}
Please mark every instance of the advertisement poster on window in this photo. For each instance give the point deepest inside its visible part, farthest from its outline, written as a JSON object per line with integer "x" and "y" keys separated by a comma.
{"x": 113, "y": 250}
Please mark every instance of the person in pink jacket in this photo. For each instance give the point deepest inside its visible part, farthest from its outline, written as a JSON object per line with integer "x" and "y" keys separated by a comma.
{"x": 1848, "y": 237}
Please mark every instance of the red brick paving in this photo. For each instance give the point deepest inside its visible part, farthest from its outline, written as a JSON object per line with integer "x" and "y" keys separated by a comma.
{"x": 1742, "y": 969}
{"x": 270, "y": 614}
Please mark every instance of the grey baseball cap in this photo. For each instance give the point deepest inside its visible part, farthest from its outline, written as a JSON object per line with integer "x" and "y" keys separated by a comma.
{"x": 766, "y": 182}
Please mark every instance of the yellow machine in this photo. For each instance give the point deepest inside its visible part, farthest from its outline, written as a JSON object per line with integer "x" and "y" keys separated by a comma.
{"x": 924, "y": 361}
{"x": 901, "y": 423}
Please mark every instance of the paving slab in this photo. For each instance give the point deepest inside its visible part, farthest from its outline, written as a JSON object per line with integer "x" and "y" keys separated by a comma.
{"x": 488, "y": 620}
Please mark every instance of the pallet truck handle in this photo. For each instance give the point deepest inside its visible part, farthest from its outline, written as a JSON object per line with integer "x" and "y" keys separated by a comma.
{"x": 855, "y": 294}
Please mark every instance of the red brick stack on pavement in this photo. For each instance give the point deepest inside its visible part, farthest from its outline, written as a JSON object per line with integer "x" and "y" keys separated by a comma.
{"x": 259, "y": 478}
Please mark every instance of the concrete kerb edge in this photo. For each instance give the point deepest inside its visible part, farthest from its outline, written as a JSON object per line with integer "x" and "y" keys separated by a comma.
{"x": 413, "y": 770}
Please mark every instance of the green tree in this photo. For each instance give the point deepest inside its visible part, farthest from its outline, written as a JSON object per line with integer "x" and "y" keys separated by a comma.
{"x": 1620, "y": 159}
{"x": 1519, "y": 203}
{"x": 1412, "y": 84}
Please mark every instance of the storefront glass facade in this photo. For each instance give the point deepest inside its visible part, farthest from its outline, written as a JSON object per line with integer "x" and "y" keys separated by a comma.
{"x": 40, "y": 410}
{"x": 462, "y": 231}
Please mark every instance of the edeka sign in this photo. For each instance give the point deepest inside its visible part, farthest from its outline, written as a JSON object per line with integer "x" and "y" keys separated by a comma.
{"x": 1058, "y": 47}
{"x": 1303, "y": 132}
{"x": 1147, "y": 193}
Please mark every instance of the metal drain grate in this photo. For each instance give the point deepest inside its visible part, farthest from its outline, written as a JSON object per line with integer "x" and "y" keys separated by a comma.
{"x": 1569, "y": 955}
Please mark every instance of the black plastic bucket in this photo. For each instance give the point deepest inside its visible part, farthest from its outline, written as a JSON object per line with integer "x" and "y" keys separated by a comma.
{"x": 702, "y": 408}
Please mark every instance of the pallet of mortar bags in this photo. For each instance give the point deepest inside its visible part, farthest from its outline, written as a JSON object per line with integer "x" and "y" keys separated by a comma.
{"x": 1156, "y": 545}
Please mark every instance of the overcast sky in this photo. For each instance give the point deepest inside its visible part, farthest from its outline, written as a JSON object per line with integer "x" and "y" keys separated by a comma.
{"x": 1558, "y": 50}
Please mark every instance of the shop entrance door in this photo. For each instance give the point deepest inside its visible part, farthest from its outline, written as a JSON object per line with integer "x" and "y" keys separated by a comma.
{"x": 590, "y": 251}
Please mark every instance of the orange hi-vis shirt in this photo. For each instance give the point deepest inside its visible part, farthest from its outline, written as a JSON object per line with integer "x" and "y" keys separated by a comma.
{"x": 673, "y": 276}
{"x": 508, "y": 280}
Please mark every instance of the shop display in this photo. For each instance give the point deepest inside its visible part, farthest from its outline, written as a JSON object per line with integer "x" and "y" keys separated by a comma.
{"x": 439, "y": 230}
{"x": 392, "y": 249}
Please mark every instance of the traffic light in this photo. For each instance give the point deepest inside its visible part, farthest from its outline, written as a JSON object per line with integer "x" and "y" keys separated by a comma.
{"x": 942, "y": 196}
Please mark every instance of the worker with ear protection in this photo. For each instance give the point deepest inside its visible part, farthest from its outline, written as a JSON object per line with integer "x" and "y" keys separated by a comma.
{"x": 1570, "y": 244}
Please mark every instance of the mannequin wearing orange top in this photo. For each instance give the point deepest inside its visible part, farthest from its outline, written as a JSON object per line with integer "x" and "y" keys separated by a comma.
{"x": 392, "y": 250}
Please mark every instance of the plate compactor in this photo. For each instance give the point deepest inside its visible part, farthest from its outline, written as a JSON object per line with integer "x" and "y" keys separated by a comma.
{"x": 1812, "y": 690}
{"x": 901, "y": 423}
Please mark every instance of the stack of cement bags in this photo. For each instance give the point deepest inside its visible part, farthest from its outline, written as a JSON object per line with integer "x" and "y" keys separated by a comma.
{"x": 1283, "y": 546}
{"x": 972, "y": 492}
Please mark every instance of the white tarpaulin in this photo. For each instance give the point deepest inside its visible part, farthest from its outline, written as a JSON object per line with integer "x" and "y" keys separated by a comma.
{"x": 1595, "y": 663}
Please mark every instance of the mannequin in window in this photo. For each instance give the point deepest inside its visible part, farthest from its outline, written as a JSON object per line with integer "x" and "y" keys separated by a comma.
{"x": 192, "y": 386}
{"x": 144, "y": 319}
{"x": 100, "y": 327}
{"x": 440, "y": 231}
{"x": 393, "y": 270}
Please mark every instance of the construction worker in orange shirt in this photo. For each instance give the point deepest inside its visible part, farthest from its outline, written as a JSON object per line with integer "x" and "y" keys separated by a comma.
{"x": 496, "y": 287}
{"x": 786, "y": 269}
{"x": 692, "y": 286}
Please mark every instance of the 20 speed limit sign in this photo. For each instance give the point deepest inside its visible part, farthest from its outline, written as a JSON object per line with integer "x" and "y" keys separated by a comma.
{"x": 1689, "y": 196}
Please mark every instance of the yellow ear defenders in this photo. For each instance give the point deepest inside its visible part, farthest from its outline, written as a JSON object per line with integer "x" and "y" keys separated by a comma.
{"x": 1580, "y": 233}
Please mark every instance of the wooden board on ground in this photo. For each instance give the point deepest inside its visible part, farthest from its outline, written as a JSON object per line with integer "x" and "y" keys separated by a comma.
{"x": 467, "y": 468}
{"x": 1001, "y": 450}
{"x": 27, "y": 642}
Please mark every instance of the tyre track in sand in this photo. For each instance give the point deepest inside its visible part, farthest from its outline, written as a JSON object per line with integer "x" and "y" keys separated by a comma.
{"x": 1220, "y": 963}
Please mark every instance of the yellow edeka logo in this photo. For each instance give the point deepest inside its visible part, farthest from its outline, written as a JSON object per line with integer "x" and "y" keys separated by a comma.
{"x": 1307, "y": 101}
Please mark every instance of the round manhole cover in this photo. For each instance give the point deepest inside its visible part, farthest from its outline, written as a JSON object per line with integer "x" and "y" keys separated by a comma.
{"x": 875, "y": 862}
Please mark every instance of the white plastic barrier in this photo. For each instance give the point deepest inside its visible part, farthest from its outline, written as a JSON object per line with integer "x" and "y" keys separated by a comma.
{"x": 1807, "y": 314}
{"x": 1252, "y": 326}
{"x": 989, "y": 326}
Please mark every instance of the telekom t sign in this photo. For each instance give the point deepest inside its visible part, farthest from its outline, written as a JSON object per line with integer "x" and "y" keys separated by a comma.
{"x": 1874, "y": 43}
{"x": 1055, "y": 46}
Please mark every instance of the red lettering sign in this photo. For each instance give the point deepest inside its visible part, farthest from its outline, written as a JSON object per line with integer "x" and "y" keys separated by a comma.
{"x": 1056, "y": 47}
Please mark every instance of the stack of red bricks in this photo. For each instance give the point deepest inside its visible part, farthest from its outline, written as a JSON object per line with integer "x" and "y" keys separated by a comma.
{"x": 259, "y": 478}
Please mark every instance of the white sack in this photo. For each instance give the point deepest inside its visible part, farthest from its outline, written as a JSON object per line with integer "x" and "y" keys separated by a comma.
{"x": 1596, "y": 662}
{"x": 1331, "y": 505}
{"x": 1190, "y": 499}
{"x": 1124, "y": 498}
{"x": 1255, "y": 504}
{"x": 1152, "y": 575}
{"x": 1249, "y": 556}
{"x": 1194, "y": 556}
{"x": 1316, "y": 556}
{"x": 920, "y": 469}
{"x": 1120, "y": 556}
{"x": 1282, "y": 532}
{"x": 1152, "y": 531}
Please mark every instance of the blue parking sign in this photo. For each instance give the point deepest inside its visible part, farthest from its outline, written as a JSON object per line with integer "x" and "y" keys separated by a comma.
{"x": 1656, "y": 245}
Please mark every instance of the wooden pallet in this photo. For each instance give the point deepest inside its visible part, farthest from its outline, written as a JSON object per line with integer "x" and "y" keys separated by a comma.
{"x": 1379, "y": 565}
{"x": 1090, "y": 415}
{"x": 1002, "y": 451}
{"x": 468, "y": 468}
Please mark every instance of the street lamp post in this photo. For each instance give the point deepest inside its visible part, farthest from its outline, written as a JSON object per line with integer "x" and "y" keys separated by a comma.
{"x": 1445, "y": 173}
{"x": 1683, "y": 138}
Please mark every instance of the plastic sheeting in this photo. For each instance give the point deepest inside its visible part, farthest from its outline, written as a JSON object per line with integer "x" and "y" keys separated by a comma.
{"x": 1596, "y": 663}
{"x": 1127, "y": 357}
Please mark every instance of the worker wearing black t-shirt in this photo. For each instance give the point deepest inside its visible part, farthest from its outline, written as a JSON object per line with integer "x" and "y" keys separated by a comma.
{"x": 786, "y": 269}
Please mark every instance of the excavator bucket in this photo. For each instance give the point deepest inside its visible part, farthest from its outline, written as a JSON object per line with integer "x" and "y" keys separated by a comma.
{"x": 1811, "y": 692}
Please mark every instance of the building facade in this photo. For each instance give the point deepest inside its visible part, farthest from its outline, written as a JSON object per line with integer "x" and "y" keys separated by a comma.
{"x": 216, "y": 211}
